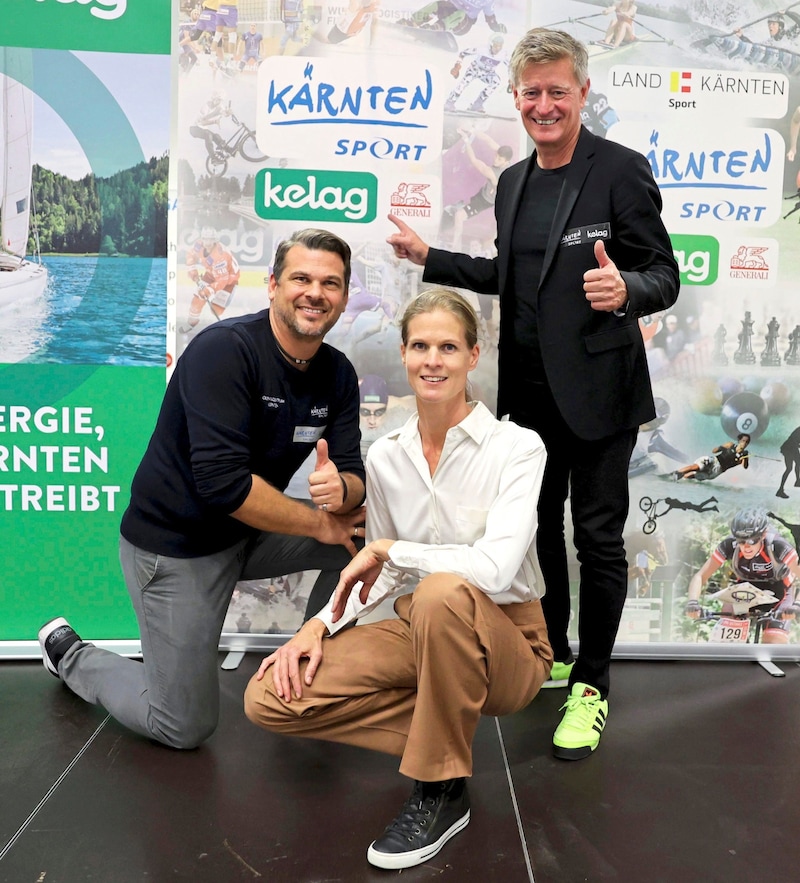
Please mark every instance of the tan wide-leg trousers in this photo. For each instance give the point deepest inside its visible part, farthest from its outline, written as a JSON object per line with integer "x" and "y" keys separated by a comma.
{"x": 416, "y": 686}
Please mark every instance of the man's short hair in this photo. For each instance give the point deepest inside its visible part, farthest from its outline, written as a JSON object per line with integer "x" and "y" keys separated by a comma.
{"x": 544, "y": 45}
{"x": 313, "y": 239}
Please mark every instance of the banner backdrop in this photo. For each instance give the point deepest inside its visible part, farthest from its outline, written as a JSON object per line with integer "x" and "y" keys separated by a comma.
{"x": 84, "y": 137}
{"x": 289, "y": 114}
{"x": 336, "y": 114}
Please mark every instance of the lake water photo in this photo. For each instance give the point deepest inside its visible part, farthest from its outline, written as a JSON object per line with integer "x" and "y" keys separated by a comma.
{"x": 93, "y": 311}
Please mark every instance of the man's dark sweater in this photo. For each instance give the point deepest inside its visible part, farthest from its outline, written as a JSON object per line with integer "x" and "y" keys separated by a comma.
{"x": 235, "y": 407}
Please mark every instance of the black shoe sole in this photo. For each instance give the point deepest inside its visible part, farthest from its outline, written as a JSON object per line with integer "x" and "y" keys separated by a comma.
{"x": 395, "y": 861}
{"x": 572, "y": 753}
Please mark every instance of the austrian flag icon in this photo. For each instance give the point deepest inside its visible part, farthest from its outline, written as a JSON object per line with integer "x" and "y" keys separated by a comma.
{"x": 680, "y": 81}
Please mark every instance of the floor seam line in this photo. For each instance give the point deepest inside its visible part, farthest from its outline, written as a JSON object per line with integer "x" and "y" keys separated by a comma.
{"x": 51, "y": 790}
{"x": 514, "y": 802}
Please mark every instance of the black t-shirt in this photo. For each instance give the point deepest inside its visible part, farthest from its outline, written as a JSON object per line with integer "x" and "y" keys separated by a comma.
{"x": 234, "y": 407}
{"x": 528, "y": 245}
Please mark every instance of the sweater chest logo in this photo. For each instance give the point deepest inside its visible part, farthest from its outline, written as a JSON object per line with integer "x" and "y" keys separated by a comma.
{"x": 308, "y": 434}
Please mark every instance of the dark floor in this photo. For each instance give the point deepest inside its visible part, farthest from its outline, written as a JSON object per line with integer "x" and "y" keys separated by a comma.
{"x": 696, "y": 779}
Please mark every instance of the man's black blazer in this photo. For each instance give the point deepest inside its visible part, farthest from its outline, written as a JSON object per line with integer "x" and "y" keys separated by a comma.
{"x": 594, "y": 361}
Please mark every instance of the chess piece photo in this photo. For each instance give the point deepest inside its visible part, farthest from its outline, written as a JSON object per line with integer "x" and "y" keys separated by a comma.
{"x": 770, "y": 356}
{"x": 792, "y": 356}
{"x": 744, "y": 355}
{"x": 718, "y": 357}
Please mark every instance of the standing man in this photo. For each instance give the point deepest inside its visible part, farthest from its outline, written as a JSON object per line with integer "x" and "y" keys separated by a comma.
{"x": 582, "y": 253}
{"x": 250, "y": 398}
{"x": 252, "y": 43}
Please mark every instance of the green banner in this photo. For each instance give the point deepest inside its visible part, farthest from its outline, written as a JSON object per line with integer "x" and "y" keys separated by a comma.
{"x": 65, "y": 470}
{"x": 141, "y": 26}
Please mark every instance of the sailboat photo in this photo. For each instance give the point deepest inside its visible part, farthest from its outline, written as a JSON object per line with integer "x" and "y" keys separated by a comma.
{"x": 21, "y": 279}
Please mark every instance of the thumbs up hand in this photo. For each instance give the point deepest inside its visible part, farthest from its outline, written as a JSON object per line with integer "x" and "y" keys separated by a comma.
{"x": 325, "y": 485}
{"x": 322, "y": 456}
{"x": 604, "y": 286}
{"x": 600, "y": 254}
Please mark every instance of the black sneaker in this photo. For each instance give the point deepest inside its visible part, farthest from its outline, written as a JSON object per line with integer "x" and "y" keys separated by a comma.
{"x": 55, "y": 638}
{"x": 435, "y": 812}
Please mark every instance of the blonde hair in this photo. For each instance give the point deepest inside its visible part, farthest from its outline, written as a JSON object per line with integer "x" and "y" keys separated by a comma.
{"x": 449, "y": 301}
{"x": 543, "y": 45}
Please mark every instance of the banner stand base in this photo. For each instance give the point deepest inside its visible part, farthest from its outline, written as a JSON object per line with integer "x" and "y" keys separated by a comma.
{"x": 232, "y": 660}
{"x": 771, "y": 668}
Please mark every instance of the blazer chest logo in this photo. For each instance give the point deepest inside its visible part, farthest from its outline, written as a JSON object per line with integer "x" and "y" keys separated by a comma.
{"x": 586, "y": 235}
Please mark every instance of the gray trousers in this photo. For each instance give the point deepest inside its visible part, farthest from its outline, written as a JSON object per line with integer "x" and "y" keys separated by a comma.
{"x": 180, "y": 605}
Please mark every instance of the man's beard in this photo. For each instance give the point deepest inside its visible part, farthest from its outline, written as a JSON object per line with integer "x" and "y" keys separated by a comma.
{"x": 289, "y": 318}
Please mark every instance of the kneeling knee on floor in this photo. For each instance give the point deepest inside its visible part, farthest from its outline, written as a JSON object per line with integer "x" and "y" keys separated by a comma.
{"x": 186, "y": 735}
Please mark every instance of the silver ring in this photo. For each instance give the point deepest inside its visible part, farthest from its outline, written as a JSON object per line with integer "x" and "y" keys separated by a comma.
{"x": 324, "y": 507}
{"x": 355, "y": 531}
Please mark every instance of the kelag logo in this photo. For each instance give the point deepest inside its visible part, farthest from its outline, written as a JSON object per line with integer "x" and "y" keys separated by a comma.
{"x": 697, "y": 257}
{"x": 136, "y": 26}
{"x": 308, "y": 195}
{"x": 106, "y": 9}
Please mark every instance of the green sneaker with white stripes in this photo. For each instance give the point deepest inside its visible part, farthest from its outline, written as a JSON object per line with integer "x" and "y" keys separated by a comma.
{"x": 559, "y": 675}
{"x": 579, "y": 732}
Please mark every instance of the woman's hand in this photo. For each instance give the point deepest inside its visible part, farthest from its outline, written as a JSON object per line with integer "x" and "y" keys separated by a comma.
{"x": 285, "y": 661}
{"x": 365, "y": 567}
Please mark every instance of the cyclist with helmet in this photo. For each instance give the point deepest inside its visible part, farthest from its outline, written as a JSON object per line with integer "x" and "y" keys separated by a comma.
{"x": 758, "y": 556}
{"x": 207, "y": 125}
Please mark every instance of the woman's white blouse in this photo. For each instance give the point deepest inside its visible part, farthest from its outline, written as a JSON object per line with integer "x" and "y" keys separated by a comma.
{"x": 475, "y": 516}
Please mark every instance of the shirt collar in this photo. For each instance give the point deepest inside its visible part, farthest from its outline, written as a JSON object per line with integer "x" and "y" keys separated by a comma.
{"x": 476, "y": 425}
